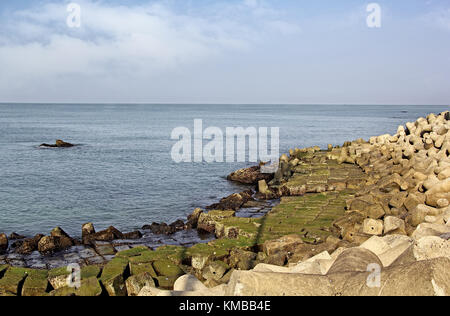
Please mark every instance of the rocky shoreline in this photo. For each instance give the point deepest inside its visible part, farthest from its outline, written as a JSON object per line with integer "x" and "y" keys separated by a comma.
{"x": 383, "y": 203}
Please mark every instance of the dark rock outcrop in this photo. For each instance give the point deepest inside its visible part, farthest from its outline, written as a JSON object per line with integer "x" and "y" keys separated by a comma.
{"x": 15, "y": 236}
{"x": 59, "y": 144}
{"x": 165, "y": 229}
{"x": 3, "y": 243}
{"x": 250, "y": 176}
{"x": 233, "y": 202}
{"x": 28, "y": 245}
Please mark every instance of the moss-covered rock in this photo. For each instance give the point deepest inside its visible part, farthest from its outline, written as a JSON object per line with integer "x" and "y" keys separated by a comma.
{"x": 12, "y": 281}
{"x": 167, "y": 268}
{"x": 133, "y": 252}
{"x": 58, "y": 277}
{"x": 165, "y": 282}
{"x": 139, "y": 268}
{"x": 113, "y": 276}
{"x": 89, "y": 287}
{"x": 137, "y": 282}
{"x": 36, "y": 283}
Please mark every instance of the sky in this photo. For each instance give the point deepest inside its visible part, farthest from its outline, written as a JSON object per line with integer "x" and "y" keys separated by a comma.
{"x": 225, "y": 51}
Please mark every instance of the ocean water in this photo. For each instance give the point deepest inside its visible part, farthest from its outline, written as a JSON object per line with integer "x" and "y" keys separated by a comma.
{"x": 122, "y": 173}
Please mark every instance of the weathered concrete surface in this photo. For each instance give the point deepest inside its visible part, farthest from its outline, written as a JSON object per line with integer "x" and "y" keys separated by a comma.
{"x": 425, "y": 278}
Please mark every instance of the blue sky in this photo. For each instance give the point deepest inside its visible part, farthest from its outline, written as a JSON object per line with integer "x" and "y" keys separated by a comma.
{"x": 235, "y": 51}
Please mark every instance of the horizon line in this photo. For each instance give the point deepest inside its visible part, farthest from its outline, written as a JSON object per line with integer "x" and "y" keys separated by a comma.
{"x": 214, "y": 103}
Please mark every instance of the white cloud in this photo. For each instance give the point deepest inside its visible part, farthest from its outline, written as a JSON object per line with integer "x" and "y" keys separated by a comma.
{"x": 37, "y": 47}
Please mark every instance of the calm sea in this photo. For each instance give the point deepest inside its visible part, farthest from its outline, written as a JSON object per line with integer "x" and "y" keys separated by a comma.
{"x": 122, "y": 173}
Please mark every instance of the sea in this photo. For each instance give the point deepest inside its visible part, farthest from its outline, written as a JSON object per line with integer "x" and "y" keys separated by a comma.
{"x": 122, "y": 172}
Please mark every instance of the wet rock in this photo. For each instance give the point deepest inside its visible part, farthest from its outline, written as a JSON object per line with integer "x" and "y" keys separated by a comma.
{"x": 50, "y": 244}
{"x": 87, "y": 230}
{"x": 164, "y": 229}
{"x": 59, "y": 144}
{"x": 133, "y": 235}
{"x": 15, "y": 236}
{"x": 193, "y": 218}
{"x": 29, "y": 245}
{"x": 109, "y": 234}
{"x": 136, "y": 283}
{"x": 249, "y": 176}
{"x": 233, "y": 202}
{"x": 3, "y": 243}
{"x": 262, "y": 187}
{"x": 105, "y": 249}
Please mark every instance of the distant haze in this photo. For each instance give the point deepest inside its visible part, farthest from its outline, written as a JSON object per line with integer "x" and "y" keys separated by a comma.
{"x": 238, "y": 51}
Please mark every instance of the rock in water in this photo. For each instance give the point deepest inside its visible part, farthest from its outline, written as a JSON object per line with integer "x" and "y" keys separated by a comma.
{"x": 3, "y": 243}
{"x": 249, "y": 176}
{"x": 59, "y": 144}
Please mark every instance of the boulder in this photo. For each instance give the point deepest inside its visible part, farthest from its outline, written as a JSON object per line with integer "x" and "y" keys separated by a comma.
{"x": 189, "y": 283}
{"x": 167, "y": 268}
{"x": 354, "y": 260}
{"x": 15, "y": 236}
{"x": 136, "y": 283}
{"x": 241, "y": 259}
{"x": 253, "y": 284}
{"x": 87, "y": 230}
{"x": 207, "y": 221}
{"x": 427, "y": 229}
{"x": 425, "y": 278}
{"x": 394, "y": 224}
{"x": 263, "y": 188}
{"x": 431, "y": 247}
{"x": 215, "y": 271}
{"x": 113, "y": 277}
{"x": 233, "y": 202}
{"x": 132, "y": 235}
{"x": 373, "y": 227}
{"x": 29, "y": 245}
{"x": 51, "y": 244}
{"x": 3, "y": 243}
{"x": 284, "y": 244}
{"x": 249, "y": 176}
{"x": 193, "y": 218}
{"x": 109, "y": 234}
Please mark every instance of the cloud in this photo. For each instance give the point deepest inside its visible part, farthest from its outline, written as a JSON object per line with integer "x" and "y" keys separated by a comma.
{"x": 37, "y": 46}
